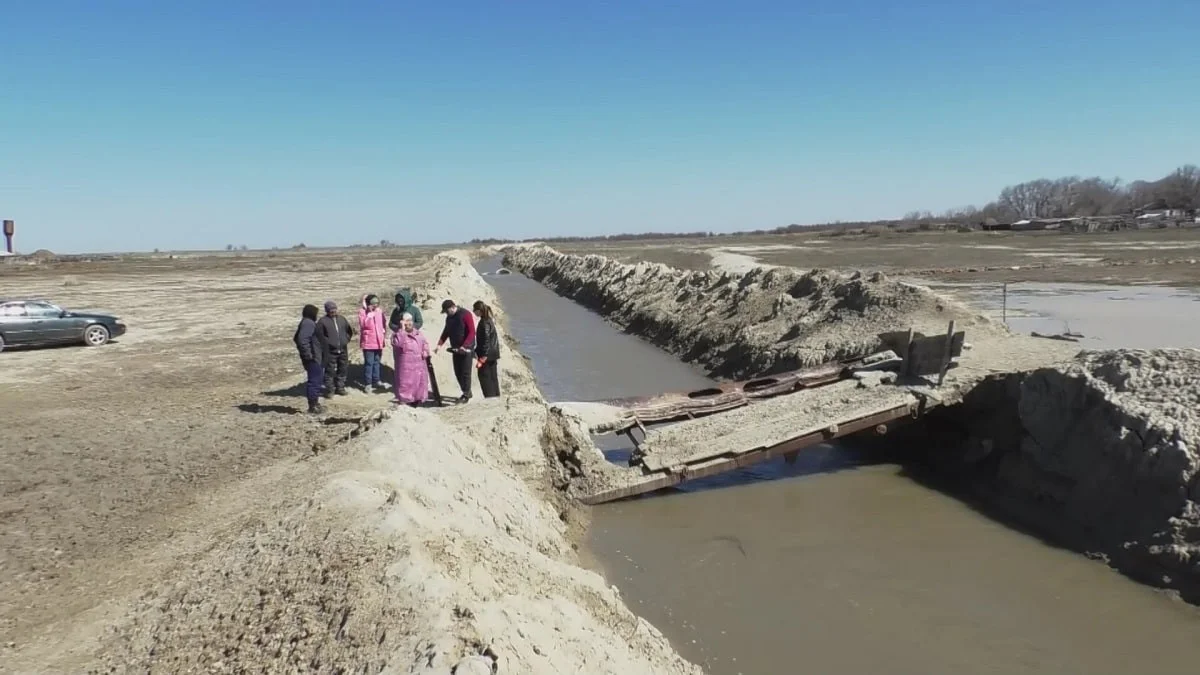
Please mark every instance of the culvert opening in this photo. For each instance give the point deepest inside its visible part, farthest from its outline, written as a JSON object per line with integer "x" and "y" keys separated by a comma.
{"x": 759, "y": 384}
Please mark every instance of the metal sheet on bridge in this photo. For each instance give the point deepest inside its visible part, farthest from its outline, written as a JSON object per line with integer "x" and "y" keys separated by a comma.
{"x": 926, "y": 354}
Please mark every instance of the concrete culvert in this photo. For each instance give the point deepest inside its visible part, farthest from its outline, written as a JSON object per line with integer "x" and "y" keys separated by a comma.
{"x": 761, "y": 383}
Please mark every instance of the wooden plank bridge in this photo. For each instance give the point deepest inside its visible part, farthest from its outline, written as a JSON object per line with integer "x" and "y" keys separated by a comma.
{"x": 782, "y": 414}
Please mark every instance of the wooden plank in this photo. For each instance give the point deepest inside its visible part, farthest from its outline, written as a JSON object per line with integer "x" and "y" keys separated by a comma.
{"x": 674, "y": 406}
{"x": 682, "y": 408}
{"x": 654, "y": 463}
{"x": 681, "y": 411}
{"x": 947, "y": 354}
{"x": 714, "y": 466}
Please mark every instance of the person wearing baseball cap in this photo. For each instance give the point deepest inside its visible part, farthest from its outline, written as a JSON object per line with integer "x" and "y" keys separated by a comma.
{"x": 460, "y": 332}
{"x": 334, "y": 333}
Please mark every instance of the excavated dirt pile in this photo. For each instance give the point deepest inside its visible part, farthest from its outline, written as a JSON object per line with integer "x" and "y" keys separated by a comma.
{"x": 1102, "y": 455}
{"x": 1097, "y": 451}
{"x": 743, "y": 325}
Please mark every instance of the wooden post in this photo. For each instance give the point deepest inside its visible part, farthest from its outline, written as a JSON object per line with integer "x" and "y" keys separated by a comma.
{"x": 906, "y": 364}
{"x": 946, "y": 354}
{"x": 1004, "y": 311}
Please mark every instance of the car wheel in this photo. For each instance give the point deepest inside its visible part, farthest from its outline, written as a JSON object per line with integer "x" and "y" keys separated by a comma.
{"x": 1, "y": 343}
{"x": 95, "y": 335}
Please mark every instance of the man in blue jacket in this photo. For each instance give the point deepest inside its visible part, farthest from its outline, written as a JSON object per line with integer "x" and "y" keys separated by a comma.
{"x": 311, "y": 357}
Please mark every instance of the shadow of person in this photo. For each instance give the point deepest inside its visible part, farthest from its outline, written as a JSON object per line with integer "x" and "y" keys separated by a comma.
{"x": 259, "y": 408}
{"x": 288, "y": 392}
{"x": 356, "y": 375}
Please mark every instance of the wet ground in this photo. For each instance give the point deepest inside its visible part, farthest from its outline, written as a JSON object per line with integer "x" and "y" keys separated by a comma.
{"x": 1108, "y": 317}
{"x": 841, "y": 563}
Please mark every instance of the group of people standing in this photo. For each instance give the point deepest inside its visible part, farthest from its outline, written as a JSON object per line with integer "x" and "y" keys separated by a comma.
{"x": 323, "y": 343}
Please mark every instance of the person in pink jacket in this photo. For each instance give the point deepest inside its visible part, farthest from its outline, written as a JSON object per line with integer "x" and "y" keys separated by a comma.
{"x": 411, "y": 351}
{"x": 372, "y": 335}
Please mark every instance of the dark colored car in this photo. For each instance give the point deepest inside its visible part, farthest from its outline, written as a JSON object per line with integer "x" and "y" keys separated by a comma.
{"x": 34, "y": 322}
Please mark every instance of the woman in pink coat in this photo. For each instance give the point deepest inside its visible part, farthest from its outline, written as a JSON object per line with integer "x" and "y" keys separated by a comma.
{"x": 411, "y": 350}
{"x": 372, "y": 334}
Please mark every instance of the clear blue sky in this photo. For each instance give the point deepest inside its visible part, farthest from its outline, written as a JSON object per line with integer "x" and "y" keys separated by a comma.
{"x": 135, "y": 125}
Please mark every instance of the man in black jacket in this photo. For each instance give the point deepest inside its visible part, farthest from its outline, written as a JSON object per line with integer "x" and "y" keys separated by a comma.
{"x": 335, "y": 332}
{"x": 310, "y": 357}
{"x": 460, "y": 331}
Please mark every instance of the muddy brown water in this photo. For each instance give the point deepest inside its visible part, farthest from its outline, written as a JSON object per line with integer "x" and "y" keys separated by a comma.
{"x": 840, "y": 563}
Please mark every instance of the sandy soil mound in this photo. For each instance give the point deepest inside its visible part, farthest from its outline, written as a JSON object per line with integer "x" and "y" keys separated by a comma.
{"x": 1102, "y": 454}
{"x": 423, "y": 549}
{"x": 742, "y": 325}
{"x": 435, "y": 543}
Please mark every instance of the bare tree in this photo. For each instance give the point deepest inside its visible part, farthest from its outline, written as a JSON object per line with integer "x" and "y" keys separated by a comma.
{"x": 1180, "y": 190}
{"x": 961, "y": 214}
{"x": 1028, "y": 200}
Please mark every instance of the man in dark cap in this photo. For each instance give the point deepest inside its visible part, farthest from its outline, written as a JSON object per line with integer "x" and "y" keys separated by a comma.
{"x": 310, "y": 357}
{"x": 460, "y": 331}
{"x": 334, "y": 333}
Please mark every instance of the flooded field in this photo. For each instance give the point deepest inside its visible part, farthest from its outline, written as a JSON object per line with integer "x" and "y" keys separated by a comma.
{"x": 851, "y": 564}
{"x": 1108, "y": 317}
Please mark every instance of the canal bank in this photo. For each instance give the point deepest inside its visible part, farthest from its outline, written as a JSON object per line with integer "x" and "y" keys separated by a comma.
{"x": 429, "y": 540}
{"x": 848, "y": 565}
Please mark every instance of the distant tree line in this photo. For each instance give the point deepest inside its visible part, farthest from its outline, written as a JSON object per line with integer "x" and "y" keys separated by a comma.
{"x": 1073, "y": 197}
{"x": 1067, "y": 197}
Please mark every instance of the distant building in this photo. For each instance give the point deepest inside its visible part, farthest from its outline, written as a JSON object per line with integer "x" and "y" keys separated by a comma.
{"x": 1167, "y": 213}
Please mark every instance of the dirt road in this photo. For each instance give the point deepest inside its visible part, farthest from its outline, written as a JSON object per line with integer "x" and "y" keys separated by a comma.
{"x": 108, "y": 452}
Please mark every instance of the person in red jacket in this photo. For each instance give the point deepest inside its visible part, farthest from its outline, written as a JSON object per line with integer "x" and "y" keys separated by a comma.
{"x": 460, "y": 332}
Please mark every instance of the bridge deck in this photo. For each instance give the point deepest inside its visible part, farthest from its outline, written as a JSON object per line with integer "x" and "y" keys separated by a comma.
{"x": 776, "y": 427}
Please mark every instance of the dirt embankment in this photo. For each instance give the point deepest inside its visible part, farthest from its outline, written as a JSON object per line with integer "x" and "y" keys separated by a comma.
{"x": 436, "y": 543}
{"x": 743, "y": 325}
{"x": 1098, "y": 451}
{"x": 1101, "y": 455}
